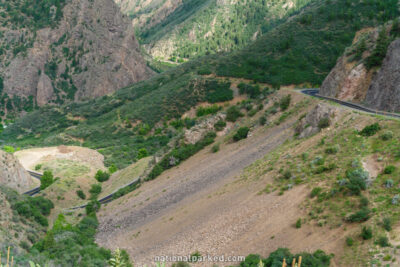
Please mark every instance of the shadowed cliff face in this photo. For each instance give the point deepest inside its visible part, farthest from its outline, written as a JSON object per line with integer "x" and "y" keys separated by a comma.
{"x": 92, "y": 51}
{"x": 12, "y": 174}
{"x": 384, "y": 92}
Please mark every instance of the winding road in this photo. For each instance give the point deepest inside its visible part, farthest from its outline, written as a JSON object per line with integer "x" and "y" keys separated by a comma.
{"x": 36, "y": 190}
{"x": 315, "y": 93}
{"x": 310, "y": 92}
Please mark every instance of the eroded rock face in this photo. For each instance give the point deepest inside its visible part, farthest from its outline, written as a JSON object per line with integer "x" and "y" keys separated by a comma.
{"x": 310, "y": 124}
{"x": 349, "y": 79}
{"x": 384, "y": 92}
{"x": 91, "y": 52}
{"x": 12, "y": 174}
{"x": 197, "y": 132}
{"x": 377, "y": 88}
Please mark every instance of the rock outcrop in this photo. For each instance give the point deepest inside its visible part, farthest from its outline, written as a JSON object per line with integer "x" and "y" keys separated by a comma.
{"x": 12, "y": 174}
{"x": 378, "y": 87}
{"x": 320, "y": 117}
{"x": 90, "y": 52}
{"x": 197, "y": 132}
{"x": 349, "y": 79}
{"x": 384, "y": 92}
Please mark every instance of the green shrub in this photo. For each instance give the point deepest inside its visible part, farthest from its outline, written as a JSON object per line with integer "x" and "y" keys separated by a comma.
{"x": 142, "y": 153}
{"x": 349, "y": 241}
{"x": 285, "y": 102}
{"x": 383, "y": 241}
{"x": 195, "y": 257}
{"x": 250, "y": 90}
{"x": 366, "y": 233}
{"x": 318, "y": 160}
{"x": 370, "y": 130}
{"x": 379, "y": 53}
{"x": 102, "y": 176}
{"x": 315, "y": 192}
{"x": 92, "y": 207}
{"x": 322, "y": 169}
{"x": 81, "y": 194}
{"x": 112, "y": 169}
{"x": 287, "y": 174}
{"x": 156, "y": 171}
{"x": 241, "y": 133}
{"x": 332, "y": 150}
{"x": 387, "y": 135}
{"x": 233, "y": 113}
{"x": 215, "y": 148}
{"x": 357, "y": 180}
{"x": 204, "y": 71}
{"x": 298, "y": 223}
{"x": 275, "y": 259}
{"x": 360, "y": 216}
{"x": 9, "y": 149}
{"x": 95, "y": 190}
{"x": 364, "y": 202}
{"x": 46, "y": 180}
{"x": 262, "y": 120}
{"x": 203, "y": 111}
{"x": 34, "y": 207}
{"x": 218, "y": 92}
{"x": 177, "y": 124}
{"x": 219, "y": 125}
{"x": 389, "y": 169}
{"x": 252, "y": 112}
{"x": 38, "y": 167}
{"x": 387, "y": 224}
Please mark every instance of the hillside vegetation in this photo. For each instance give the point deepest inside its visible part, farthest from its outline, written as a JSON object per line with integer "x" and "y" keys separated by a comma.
{"x": 306, "y": 47}
{"x": 197, "y": 27}
{"x": 121, "y": 124}
{"x": 301, "y": 50}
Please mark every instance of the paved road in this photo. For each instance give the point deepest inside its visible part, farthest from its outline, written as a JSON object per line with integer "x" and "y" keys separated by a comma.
{"x": 315, "y": 93}
{"x": 109, "y": 197}
{"x": 36, "y": 190}
{"x": 311, "y": 92}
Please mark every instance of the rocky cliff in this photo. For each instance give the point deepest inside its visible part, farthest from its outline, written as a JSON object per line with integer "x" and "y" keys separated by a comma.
{"x": 384, "y": 92}
{"x": 349, "y": 79}
{"x": 12, "y": 174}
{"x": 89, "y": 51}
{"x": 366, "y": 73}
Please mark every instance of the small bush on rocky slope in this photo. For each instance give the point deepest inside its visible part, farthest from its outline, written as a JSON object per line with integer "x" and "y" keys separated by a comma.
{"x": 370, "y": 130}
{"x": 179, "y": 154}
{"x": 241, "y": 133}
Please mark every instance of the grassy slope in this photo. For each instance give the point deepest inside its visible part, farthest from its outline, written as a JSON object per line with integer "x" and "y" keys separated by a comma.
{"x": 332, "y": 205}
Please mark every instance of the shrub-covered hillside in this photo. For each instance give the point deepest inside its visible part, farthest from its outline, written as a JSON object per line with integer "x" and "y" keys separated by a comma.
{"x": 305, "y": 48}
{"x": 199, "y": 27}
{"x": 301, "y": 50}
{"x": 121, "y": 124}
{"x": 23, "y": 220}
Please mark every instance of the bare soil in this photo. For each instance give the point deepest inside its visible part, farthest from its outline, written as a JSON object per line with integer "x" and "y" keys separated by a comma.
{"x": 204, "y": 205}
